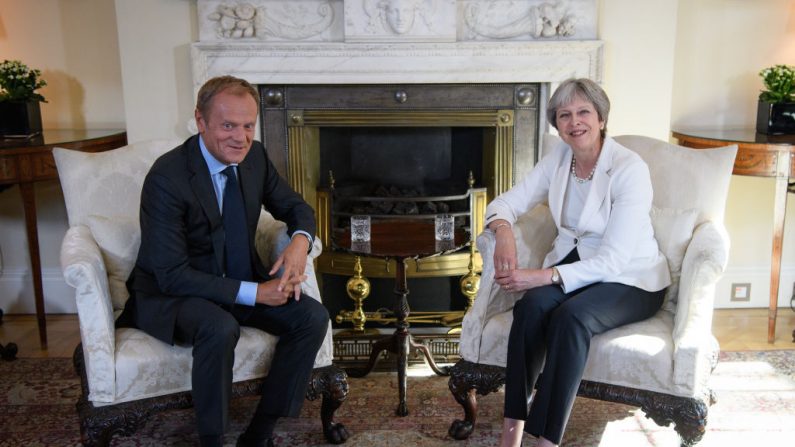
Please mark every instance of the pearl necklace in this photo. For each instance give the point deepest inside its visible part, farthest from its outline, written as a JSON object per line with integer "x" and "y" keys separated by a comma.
{"x": 574, "y": 172}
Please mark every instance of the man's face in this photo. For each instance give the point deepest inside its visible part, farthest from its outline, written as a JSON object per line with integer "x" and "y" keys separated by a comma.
{"x": 228, "y": 128}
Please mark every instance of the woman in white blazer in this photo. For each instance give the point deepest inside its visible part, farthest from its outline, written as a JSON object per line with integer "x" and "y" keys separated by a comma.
{"x": 605, "y": 268}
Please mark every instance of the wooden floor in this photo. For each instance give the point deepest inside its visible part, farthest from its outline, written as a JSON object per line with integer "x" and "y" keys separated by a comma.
{"x": 735, "y": 329}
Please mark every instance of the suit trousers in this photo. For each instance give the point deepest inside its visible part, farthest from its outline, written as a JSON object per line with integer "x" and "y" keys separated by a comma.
{"x": 553, "y": 330}
{"x": 213, "y": 331}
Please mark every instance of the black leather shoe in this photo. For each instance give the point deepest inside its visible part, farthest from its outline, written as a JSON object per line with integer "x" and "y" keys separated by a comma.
{"x": 244, "y": 441}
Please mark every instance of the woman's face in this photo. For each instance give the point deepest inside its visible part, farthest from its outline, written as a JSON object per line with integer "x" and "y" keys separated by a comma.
{"x": 579, "y": 125}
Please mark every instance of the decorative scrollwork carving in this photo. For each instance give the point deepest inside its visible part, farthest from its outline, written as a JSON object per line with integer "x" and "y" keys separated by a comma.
{"x": 244, "y": 20}
{"x": 545, "y": 20}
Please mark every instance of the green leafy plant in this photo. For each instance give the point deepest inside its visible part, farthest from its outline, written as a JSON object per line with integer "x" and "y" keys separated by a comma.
{"x": 779, "y": 83}
{"x": 18, "y": 82}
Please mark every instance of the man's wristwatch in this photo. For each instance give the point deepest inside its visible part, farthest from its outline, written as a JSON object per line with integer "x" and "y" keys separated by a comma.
{"x": 555, "y": 276}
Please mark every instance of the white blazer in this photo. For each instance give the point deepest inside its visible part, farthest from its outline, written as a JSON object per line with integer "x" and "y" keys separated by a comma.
{"x": 614, "y": 238}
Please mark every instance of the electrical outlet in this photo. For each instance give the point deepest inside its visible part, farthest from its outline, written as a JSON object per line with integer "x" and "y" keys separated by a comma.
{"x": 741, "y": 291}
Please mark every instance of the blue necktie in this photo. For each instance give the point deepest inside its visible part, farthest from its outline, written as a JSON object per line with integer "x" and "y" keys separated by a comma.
{"x": 237, "y": 256}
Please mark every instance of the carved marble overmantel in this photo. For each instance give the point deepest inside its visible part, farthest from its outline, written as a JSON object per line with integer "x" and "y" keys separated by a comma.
{"x": 396, "y": 20}
{"x": 397, "y": 41}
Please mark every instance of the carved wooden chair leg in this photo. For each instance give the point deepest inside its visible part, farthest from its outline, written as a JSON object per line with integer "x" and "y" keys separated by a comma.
{"x": 689, "y": 416}
{"x": 467, "y": 380}
{"x": 331, "y": 383}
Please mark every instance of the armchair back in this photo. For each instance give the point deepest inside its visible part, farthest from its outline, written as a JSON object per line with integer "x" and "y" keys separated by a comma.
{"x": 102, "y": 191}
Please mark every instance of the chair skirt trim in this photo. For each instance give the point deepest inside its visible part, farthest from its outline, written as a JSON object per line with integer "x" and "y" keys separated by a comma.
{"x": 688, "y": 414}
{"x": 98, "y": 424}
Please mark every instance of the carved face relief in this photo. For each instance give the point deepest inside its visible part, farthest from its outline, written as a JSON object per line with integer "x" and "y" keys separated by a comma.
{"x": 400, "y": 14}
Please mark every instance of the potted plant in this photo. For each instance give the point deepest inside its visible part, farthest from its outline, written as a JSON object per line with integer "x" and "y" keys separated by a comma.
{"x": 20, "y": 114}
{"x": 775, "y": 114}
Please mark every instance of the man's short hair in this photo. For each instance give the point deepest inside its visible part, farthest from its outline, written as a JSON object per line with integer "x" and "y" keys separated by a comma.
{"x": 216, "y": 85}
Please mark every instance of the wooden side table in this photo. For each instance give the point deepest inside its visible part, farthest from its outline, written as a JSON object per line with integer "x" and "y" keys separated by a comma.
{"x": 758, "y": 155}
{"x": 24, "y": 162}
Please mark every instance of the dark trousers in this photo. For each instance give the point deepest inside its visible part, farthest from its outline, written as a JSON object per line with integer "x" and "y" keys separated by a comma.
{"x": 213, "y": 331}
{"x": 553, "y": 330}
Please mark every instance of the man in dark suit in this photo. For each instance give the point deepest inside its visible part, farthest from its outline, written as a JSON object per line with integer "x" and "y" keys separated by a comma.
{"x": 198, "y": 277}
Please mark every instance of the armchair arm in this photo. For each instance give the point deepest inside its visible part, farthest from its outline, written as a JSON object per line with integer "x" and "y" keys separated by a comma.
{"x": 695, "y": 348}
{"x": 84, "y": 269}
{"x": 271, "y": 240}
{"x": 534, "y": 234}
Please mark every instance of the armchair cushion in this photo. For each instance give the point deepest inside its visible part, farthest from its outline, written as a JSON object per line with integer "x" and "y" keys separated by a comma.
{"x": 147, "y": 367}
{"x": 118, "y": 238}
{"x": 673, "y": 229}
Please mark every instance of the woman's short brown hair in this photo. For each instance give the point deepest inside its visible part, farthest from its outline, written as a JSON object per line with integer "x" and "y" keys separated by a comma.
{"x": 583, "y": 88}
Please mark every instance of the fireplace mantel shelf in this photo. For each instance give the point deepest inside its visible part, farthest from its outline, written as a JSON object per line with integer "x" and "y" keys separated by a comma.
{"x": 386, "y": 63}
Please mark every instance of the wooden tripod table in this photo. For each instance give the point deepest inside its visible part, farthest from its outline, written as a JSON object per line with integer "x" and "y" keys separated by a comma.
{"x": 401, "y": 240}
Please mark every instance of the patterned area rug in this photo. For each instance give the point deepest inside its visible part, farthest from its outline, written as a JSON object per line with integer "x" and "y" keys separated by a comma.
{"x": 755, "y": 405}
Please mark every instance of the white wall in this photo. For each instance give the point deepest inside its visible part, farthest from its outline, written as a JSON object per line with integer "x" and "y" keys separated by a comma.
{"x": 154, "y": 46}
{"x": 74, "y": 43}
{"x": 721, "y": 46}
{"x": 639, "y": 38}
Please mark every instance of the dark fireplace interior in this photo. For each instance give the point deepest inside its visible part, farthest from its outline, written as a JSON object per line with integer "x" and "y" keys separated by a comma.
{"x": 432, "y": 160}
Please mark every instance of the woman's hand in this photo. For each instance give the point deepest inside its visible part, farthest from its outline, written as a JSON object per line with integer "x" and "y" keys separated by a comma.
{"x": 504, "y": 250}
{"x": 519, "y": 280}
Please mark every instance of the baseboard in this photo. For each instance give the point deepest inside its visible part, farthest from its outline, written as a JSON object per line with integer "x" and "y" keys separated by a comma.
{"x": 759, "y": 278}
{"x": 16, "y": 292}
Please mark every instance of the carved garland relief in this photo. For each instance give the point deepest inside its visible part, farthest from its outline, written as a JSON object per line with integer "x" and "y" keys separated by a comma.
{"x": 398, "y": 20}
{"x": 545, "y": 20}
{"x": 284, "y": 21}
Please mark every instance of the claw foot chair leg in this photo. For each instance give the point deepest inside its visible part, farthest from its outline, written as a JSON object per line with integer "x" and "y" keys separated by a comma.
{"x": 467, "y": 380}
{"x": 331, "y": 383}
{"x": 689, "y": 416}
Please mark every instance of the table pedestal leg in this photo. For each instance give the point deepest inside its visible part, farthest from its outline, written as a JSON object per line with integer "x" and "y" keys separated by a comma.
{"x": 779, "y": 215}
{"x": 31, "y": 226}
{"x": 399, "y": 343}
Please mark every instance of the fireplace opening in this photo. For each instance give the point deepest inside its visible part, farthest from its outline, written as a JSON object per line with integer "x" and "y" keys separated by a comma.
{"x": 433, "y": 160}
{"x": 400, "y": 172}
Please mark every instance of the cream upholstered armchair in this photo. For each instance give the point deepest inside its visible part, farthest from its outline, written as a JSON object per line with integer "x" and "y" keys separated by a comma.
{"x": 126, "y": 374}
{"x": 661, "y": 364}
